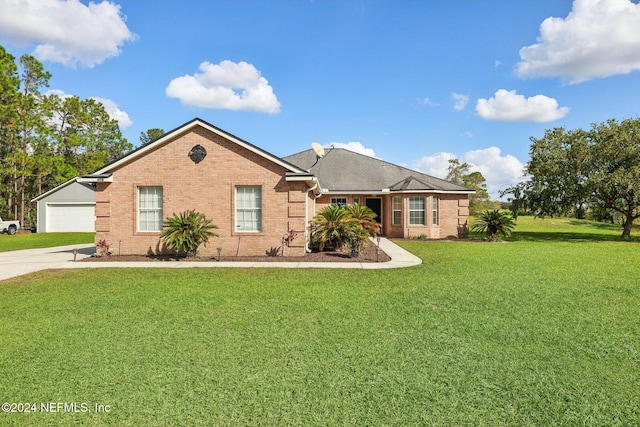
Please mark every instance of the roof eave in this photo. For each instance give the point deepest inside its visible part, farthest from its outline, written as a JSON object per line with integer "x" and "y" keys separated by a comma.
{"x": 310, "y": 179}
{"x": 95, "y": 178}
{"x": 187, "y": 127}
{"x": 388, "y": 191}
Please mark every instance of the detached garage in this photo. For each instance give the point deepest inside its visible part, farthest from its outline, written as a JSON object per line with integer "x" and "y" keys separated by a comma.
{"x": 68, "y": 207}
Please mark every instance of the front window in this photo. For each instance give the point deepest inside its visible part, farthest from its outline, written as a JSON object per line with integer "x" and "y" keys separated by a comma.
{"x": 434, "y": 210}
{"x": 149, "y": 208}
{"x": 249, "y": 208}
{"x": 417, "y": 211}
{"x": 397, "y": 210}
{"x": 340, "y": 201}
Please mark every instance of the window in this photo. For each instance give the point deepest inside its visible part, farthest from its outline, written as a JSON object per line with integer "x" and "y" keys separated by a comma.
{"x": 249, "y": 208}
{"x": 434, "y": 210}
{"x": 417, "y": 211}
{"x": 149, "y": 208}
{"x": 340, "y": 201}
{"x": 397, "y": 210}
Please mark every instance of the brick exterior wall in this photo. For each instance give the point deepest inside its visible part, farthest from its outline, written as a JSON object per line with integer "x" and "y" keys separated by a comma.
{"x": 207, "y": 187}
{"x": 453, "y": 215}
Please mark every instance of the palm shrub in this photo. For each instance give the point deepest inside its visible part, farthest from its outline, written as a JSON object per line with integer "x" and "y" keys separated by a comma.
{"x": 331, "y": 227}
{"x": 365, "y": 217}
{"x": 365, "y": 225}
{"x": 185, "y": 232}
{"x": 494, "y": 224}
{"x": 336, "y": 227}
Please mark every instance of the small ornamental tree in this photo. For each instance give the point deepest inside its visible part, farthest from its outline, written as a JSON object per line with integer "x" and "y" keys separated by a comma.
{"x": 186, "y": 231}
{"x": 494, "y": 224}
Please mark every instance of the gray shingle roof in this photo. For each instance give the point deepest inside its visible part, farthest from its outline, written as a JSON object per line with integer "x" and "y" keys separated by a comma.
{"x": 344, "y": 170}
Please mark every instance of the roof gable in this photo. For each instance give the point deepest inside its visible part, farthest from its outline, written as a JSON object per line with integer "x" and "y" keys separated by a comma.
{"x": 72, "y": 181}
{"x": 164, "y": 139}
{"x": 409, "y": 183}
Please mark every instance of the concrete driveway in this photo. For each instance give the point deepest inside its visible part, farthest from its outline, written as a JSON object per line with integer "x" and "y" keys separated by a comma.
{"x": 17, "y": 263}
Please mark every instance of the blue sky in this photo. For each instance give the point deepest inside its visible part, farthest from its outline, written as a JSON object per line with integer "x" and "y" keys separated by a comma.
{"x": 412, "y": 82}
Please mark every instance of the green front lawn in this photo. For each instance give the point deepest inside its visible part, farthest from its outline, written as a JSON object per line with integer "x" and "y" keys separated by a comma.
{"x": 42, "y": 240}
{"x": 531, "y": 332}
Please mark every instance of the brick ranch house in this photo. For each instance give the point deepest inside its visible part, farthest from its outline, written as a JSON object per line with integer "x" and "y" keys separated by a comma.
{"x": 255, "y": 197}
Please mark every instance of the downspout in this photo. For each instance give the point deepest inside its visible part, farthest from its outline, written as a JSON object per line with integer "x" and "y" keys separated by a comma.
{"x": 307, "y": 239}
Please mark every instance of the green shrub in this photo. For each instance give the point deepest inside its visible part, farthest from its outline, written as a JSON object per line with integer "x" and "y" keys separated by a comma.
{"x": 186, "y": 231}
{"x": 494, "y": 224}
{"x": 337, "y": 227}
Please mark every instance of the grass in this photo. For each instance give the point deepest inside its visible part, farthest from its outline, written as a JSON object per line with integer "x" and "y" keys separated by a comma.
{"x": 530, "y": 332}
{"x": 564, "y": 229}
{"x": 42, "y": 240}
{"x": 568, "y": 229}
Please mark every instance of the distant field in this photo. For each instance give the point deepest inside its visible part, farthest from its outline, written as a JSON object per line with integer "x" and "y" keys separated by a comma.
{"x": 42, "y": 240}
{"x": 557, "y": 229}
{"x": 533, "y": 332}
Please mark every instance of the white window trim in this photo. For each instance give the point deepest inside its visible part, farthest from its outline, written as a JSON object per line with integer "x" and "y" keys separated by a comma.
{"x": 435, "y": 208}
{"x": 140, "y": 210}
{"x": 255, "y": 209}
{"x": 394, "y": 210}
{"x": 339, "y": 204}
{"x": 424, "y": 213}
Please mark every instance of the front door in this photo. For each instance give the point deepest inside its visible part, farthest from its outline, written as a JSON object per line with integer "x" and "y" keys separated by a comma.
{"x": 375, "y": 204}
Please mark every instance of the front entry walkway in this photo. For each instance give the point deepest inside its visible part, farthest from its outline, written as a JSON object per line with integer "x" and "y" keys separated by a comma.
{"x": 17, "y": 263}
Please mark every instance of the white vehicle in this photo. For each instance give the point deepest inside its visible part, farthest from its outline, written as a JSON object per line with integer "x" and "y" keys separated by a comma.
{"x": 9, "y": 227}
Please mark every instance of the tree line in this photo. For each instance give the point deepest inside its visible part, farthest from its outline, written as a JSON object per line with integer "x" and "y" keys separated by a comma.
{"x": 46, "y": 139}
{"x": 575, "y": 172}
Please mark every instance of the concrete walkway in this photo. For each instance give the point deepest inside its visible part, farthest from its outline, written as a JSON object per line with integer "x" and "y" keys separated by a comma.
{"x": 17, "y": 263}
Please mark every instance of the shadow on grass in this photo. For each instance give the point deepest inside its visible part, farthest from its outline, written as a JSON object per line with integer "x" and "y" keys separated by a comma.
{"x": 581, "y": 231}
{"x": 546, "y": 236}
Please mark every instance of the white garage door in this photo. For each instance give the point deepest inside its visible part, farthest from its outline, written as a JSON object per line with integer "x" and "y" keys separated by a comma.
{"x": 70, "y": 217}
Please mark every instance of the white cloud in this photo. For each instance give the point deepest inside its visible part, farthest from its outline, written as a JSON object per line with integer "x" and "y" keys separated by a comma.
{"x": 67, "y": 32}
{"x": 228, "y": 86}
{"x": 508, "y": 106}
{"x": 354, "y": 146}
{"x": 429, "y": 103}
{"x": 461, "y": 101}
{"x": 599, "y": 38}
{"x": 500, "y": 171}
{"x": 115, "y": 112}
{"x": 436, "y": 165}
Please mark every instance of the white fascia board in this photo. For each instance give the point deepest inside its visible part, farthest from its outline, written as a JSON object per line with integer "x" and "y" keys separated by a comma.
{"x": 345, "y": 192}
{"x": 94, "y": 178}
{"x": 298, "y": 178}
{"x": 311, "y": 181}
{"x": 432, "y": 192}
{"x": 387, "y": 191}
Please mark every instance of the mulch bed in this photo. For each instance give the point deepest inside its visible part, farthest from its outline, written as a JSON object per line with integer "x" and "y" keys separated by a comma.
{"x": 367, "y": 255}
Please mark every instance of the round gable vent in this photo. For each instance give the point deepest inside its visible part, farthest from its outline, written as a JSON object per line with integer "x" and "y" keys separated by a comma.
{"x": 197, "y": 153}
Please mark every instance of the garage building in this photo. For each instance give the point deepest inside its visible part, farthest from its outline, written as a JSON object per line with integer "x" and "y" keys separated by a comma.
{"x": 68, "y": 207}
